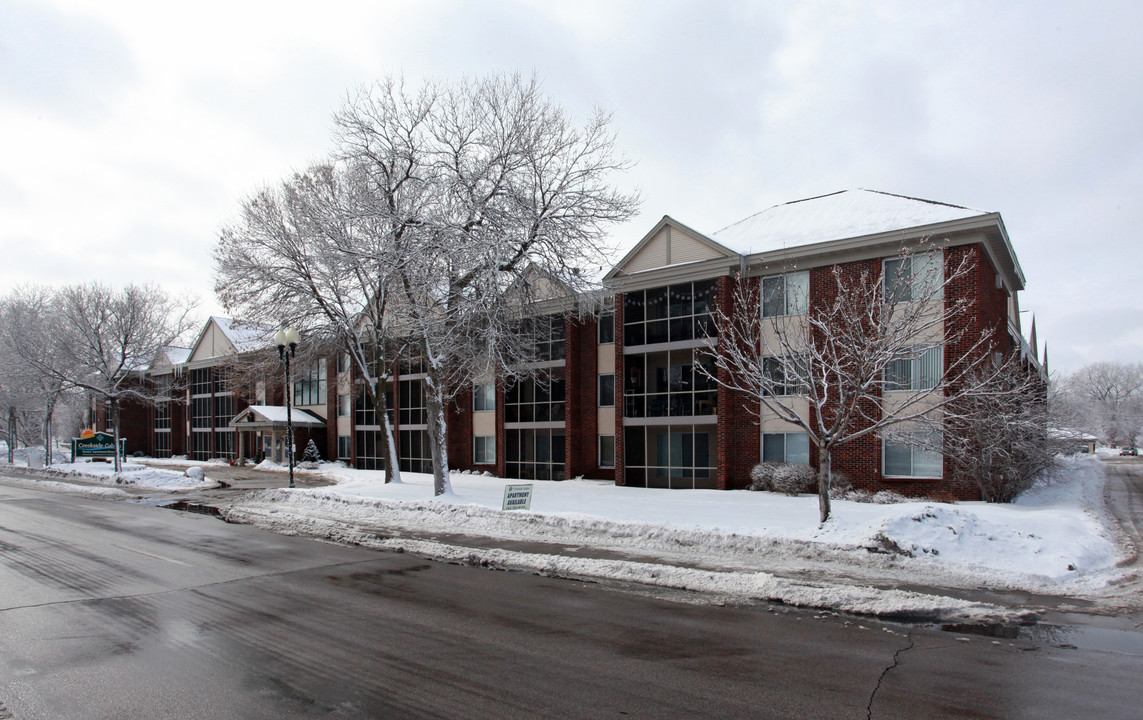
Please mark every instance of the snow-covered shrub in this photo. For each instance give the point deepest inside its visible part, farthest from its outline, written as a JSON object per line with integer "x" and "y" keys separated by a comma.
{"x": 311, "y": 454}
{"x": 788, "y": 478}
{"x": 839, "y": 485}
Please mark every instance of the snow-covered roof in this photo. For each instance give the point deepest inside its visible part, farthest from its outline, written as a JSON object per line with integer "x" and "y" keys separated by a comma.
{"x": 177, "y": 355}
{"x": 838, "y": 216}
{"x": 259, "y": 415}
{"x": 244, "y": 336}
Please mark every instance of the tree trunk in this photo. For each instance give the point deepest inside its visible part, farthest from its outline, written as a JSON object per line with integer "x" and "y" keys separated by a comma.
{"x": 115, "y": 430}
{"x": 392, "y": 468}
{"x": 824, "y": 479}
{"x": 11, "y": 435}
{"x": 49, "y": 410}
{"x": 438, "y": 431}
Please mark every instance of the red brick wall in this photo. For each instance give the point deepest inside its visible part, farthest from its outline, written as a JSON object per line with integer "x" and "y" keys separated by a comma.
{"x": 739, "y": 446}
{"x": 581, "y": 420}
{"x": 619, "y": 375}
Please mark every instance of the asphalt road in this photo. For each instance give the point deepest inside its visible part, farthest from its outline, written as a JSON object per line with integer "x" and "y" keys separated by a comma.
{"x": 115, "y": 610}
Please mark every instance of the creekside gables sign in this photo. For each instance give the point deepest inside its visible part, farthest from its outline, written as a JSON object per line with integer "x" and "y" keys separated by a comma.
{"x": 100, "y": 445}
{"x": 517, "y": 497}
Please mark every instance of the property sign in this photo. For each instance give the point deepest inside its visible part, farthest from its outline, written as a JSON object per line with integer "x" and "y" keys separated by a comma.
{"x": 517, "y": 497}
{"x": 98, "y": 444}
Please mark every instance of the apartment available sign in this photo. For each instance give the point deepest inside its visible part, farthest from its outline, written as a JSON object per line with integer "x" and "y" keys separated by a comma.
{"x": 96, "y": 444}
{"x": 517, "y": 497}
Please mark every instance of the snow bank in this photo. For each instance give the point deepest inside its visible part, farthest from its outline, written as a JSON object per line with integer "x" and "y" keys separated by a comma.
{"x": 130, "y": 474}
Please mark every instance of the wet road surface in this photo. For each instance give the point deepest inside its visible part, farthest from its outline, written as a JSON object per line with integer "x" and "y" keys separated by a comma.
{"x": 114, "y": 610}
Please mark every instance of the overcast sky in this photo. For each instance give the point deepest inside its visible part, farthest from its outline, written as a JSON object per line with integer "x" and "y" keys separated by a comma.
{"x": 130, "y": 131}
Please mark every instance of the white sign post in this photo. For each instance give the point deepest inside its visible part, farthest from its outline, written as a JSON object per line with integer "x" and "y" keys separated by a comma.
{"x": 517, "y": 497}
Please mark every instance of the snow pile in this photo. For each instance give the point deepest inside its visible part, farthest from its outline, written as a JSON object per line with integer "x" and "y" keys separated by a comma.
{"x": 1056, "y": 539}
{"x": 130, "y": 474}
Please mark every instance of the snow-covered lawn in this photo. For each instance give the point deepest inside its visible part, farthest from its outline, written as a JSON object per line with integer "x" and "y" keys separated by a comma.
{"x": 131, "y": 473}
{"x": 1057, "y": 539}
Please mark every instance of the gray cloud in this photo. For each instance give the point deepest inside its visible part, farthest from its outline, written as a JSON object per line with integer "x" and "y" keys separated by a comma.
{"x": 64, "y": 65}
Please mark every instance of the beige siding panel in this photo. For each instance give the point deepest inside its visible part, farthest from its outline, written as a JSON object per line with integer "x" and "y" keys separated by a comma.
{"x": 685, "y": 248}
{"x": 605, "y": 360}
{"x": 344, "y": 426}
{"x": 483, "y": 424}
{"x": 653, "y": 254}
{"x": 605, "y": 417}
{"x": 214, "y": 344}
{"x": 770, "y": 423}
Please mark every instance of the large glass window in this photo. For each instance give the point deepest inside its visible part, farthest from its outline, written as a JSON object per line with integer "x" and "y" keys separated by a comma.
{"x": 202, "y": 413}
{"x": 200, "y": 381}
{"x": 535, "y": 454}
{"x": 914, "y": 277}
{"x": 551, "y": 333}
{"x": 224, "y": 443}
{"x": 223, "y": 410}
{"x": 414, "y": 408}
{"x": 669, "y": 384}
{"x": 484, "y": 397}
{"x": 309, "y": 384}
{"x": 370, "y": 450}
{"x": 344, "y": 405}
{"x": 668, "y": 314}
{"x": 344, "y": 448}
{"x": 535, "y": 399}
{"x": 921, "y": 369}
{"x": 606, "y": 451}
{"x": 200, "y": 445}
{"x": 785, "y": 376}
{"x": 484, "y": 450}
{"x": 365, "y": 414}
{"x": 786, "y": 294}
{"x": 163, "y": 444}
{"x": 606, "y": 329}
{"x": 415, "y": 452}
{"x": 607, "y": 390}
{"x": 914, "y": 455}
{"x": 670, "y": 456}
{"x": 786, "y": 447}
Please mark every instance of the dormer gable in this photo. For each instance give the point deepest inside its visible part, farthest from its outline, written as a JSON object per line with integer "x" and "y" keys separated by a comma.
{"x": 670, "y": 243}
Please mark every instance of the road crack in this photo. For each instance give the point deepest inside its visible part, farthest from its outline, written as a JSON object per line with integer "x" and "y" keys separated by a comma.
{"x": 896, "y": 658}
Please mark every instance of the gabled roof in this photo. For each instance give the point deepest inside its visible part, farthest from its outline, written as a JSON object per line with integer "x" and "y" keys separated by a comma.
{"x": 837, "y": 216}
{"x": 701, "y": 248}
{"x": 264, "y": 416}
{"x": 244, "y": 336}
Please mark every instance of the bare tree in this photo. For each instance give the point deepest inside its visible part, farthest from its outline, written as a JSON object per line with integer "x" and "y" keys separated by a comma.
{"x": 996, "y": 430}
{"x": 103, "y": 339}
{"x": 500, "y": 201}
{"x": 1113, "y": 394}
{"x": 30, "y": 342}
{"x": 866, "y": 355}
{"x": 315, "y": 253}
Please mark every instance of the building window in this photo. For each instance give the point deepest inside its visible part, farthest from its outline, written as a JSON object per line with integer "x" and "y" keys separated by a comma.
{"x": 787, "y": 294}
{"x": 344, "y": 405}
{"x": 200, "y": 382}
{"x": 202, "y": 414}
{"x": 414, "y": 409}
{"x": 415, "y": 452}
{"x": 344, "y": 443}
{"x": 669, "y": 384}
{"x": 370, "y": 450}
{"x": 309, "y": 388}
{"x": 785, "y": 376}
{"x": 163, "y": 444}
{"x": 484, "y": 450}
{"x": 223, "y": 411}
{"x": 534, "y": 454}
{"x": 668, "y": 314}
{"x": 535, "y": 400}
{"x": 786, "y": 447}
{"x": 343, "y": 362}
{"x": 914, "y": 277}
{"x": 484, "y": 397}
{"x": 607, "y": 390}
{"x": 224, "y": 445}
{"x": 606, "y": 451}
{"x": 606, "y": 328}
{"x": 921, "y": 369}
{"x": 550, "y": 333}
{"x": 365, "y": 414}
{"x": 913, "y": 455}
{"x": 670, "y": 456}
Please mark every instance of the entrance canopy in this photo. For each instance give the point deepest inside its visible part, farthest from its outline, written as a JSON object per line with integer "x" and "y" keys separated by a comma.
{"x": 273, "y": 417}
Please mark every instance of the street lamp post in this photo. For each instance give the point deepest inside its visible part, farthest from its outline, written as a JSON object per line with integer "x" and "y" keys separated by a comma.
{"x": 283, "y": 339}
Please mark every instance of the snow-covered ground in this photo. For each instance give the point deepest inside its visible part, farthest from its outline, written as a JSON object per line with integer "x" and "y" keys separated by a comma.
{"x": 131, "y": 473}
{"x": 1058, "y": 539}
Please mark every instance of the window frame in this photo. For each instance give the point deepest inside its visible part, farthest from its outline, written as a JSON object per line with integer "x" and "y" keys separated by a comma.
{"x": 918, "y": 356}
{"x": 785, "y": 446}
{"x": 898, "y": 286}
{"x": 605, "y": 399}
{"x": 802, "y": 301}
{"x": 606, "y": 320}
{"x": 599, "y": 454}
{"x": 489, "y": 446}
{"x": 484, "y": 394}
{"x": 914, "y": 448}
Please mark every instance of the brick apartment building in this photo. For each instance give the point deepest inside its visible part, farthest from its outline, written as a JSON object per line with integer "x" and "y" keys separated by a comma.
{"x": 624, "y": 400}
